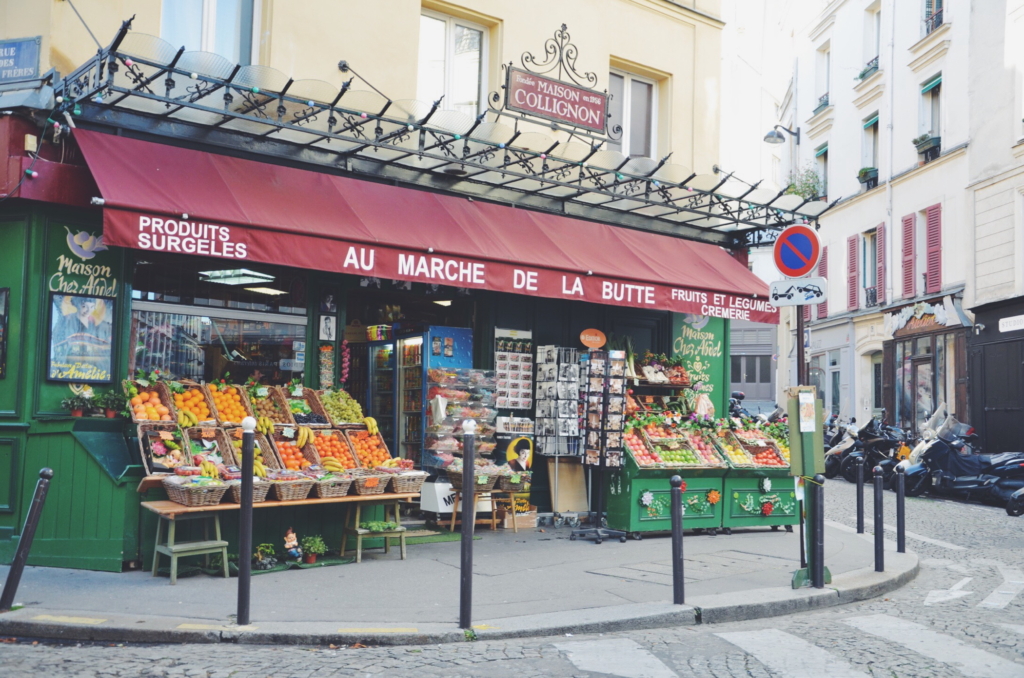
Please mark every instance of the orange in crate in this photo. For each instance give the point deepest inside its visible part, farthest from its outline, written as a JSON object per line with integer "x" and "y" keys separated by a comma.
{"x": 369, "y": 448}
{"x": 331, "y": 445}
{"x": 292, "y": 457}
{"x": 228, "y": 402}
{"x": 193, "y": 401}
{"x": 147, "y": 405}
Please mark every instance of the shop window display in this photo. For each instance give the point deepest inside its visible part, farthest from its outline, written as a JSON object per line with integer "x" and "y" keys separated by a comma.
{"x": 192, "y": 319}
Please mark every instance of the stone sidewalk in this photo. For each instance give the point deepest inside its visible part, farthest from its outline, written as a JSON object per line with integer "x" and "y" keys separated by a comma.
{"x": 536, "y": 582}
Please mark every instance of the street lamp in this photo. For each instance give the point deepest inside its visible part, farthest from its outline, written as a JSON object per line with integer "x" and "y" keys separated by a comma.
{"x": 774, "y": 136}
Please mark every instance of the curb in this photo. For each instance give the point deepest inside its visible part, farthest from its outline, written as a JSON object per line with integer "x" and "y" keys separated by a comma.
{"x": 727, "y": 607}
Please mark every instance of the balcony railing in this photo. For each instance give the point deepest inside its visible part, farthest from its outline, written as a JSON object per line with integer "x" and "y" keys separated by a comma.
{"x": 933, "y": 22}
{"x": 870, "y": 297}
{"x": 869, "y": 69}
{"x": 822, "y": 103}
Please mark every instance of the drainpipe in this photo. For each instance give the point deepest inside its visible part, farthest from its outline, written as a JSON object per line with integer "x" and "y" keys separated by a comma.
{"x": 890, "y": 254}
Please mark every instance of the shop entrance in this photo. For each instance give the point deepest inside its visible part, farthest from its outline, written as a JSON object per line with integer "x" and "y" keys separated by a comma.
{"x": 999, "y": 389}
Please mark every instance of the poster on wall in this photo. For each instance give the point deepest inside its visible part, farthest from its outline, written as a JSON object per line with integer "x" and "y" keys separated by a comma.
{"x": 81, "y": 348}
{"x": 5, "y": 294}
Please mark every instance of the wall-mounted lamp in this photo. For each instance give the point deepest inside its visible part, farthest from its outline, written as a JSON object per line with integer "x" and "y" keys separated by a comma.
{"x": 774, "y": 136}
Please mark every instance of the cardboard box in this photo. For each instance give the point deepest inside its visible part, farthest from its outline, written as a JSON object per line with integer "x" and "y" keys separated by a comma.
{"x": 523, "y": 521}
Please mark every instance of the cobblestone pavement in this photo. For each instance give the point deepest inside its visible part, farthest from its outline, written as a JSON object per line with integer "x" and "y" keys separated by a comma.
{"x": 963, "y": 616}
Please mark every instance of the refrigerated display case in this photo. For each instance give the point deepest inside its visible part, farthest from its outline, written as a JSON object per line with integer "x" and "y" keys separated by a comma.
{"x": 380, "y": 398}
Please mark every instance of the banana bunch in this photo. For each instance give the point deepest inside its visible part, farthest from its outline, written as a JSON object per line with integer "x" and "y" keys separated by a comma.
{"x": 187, "y": 419}
{"x": 258, "y": 468}
{"x": 390, "y": 463}
{"x": 209, "y": 469}
{"x": 264, "y": 426}
{"x": 371, "y": 425}
{"x": 333, "y": 465}
{"x": 305, "y": 436}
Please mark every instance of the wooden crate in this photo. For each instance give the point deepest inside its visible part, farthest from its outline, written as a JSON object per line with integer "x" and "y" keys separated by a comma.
{"x": 308, "y": 450}
{"x": 143, "y": 431}
{"x": 165, "y": 398}
{"x": 246, "y": 405}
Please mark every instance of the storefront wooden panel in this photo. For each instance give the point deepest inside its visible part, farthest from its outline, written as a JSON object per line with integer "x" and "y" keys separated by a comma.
{"x": 13, "y": 274}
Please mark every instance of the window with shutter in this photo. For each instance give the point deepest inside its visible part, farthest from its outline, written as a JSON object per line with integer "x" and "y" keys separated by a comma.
{"x": 909, "y": 289}
{"x": 880, "y": 264}
{"x": 852, "y": 273}
{"x": 806, "y": 311}
{"x": 933, "y": 238}
{"x": 823, "y": 273}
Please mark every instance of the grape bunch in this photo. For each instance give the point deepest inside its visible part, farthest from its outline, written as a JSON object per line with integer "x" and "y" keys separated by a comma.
{"x": 342, "y": 407}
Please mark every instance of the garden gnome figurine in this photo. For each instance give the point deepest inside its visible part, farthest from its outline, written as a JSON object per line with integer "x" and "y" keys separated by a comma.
{"x": 291, "y": 544}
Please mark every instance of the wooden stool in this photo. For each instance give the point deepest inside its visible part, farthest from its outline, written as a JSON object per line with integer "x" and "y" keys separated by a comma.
{"x": 360, "y": 533}
{"x": 175, "y": 550}
{"x": 476, "y": 498}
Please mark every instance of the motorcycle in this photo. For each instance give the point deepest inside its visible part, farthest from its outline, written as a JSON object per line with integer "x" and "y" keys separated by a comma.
{"x": 944, "y": 463}
{"x": 735, "y": 405}
{"x": 880, "y": 445}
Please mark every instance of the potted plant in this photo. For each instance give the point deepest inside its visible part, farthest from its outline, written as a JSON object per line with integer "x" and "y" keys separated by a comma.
{"x": 312, "y": 546}
{"x": 76, "y": 404}
{"x": 926, "y": 142}
{"x": 112, "y": 403}
{"x": 866, "y": 174}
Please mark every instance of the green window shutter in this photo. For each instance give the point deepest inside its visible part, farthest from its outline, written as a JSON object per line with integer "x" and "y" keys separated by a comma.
{"x": 872, "y": 121}
{"x": 821, "y": 151}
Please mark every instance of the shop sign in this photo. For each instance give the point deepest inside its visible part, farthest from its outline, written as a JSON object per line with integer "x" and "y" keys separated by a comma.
{"x": 593, "y": 338}
{"x": 81, "y": 264}
{"x": 700, "y": 340}
{"x": 19, "y": 59}
{"x": 1012, "y": 324}
{"x": 923, "y": 317}
{"x": 81, "y": 348}
{"x": 153, "y": 233}
{"x": 555, "y": 100}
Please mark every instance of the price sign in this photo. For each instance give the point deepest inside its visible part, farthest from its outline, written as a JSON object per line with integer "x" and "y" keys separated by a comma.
{"x": 288, "y": 433}
{"x": 372, "y": 482}
{"x": 262, "y": 392}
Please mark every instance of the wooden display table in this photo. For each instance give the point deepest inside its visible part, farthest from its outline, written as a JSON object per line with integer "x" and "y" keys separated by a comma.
{"x": 172, "y": 511}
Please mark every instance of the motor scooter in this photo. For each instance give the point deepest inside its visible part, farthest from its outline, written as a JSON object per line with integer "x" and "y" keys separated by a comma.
{"x": 944, "y": 464}
{"x": 736, "y": 408}
{"x": 843, "y": 441}
{"x": 878, "y": 448}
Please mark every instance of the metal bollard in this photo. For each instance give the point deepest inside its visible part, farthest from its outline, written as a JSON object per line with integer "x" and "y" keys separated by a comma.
{"x": 860, "y": 495}
{"x": 818, "y": 572}
{"x": 901, "y": 510}
{"x": 28, "y": 533}
{"x": 879, "y": 526}
{"x": 245, "y": 523}
{"x": 468, "y": 523}
{"x": 678, "y": 592}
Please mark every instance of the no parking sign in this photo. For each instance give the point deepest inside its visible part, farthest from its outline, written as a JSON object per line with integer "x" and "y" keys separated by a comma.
{"x": 797, "y": 251}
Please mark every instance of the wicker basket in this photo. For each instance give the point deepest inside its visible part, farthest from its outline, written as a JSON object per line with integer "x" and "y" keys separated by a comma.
{"x": 340, "y": 435}
{"x": 221, "y": 438}
{"x": 408, "y": 481}
{"x": 293, "y": 490}
{"x": 270, "y": 458}
{"x": 335, "y": 423}
{"x": 315, "y": 406}
{"x": 147, "y": 460}
{"x": 189, "y": 385}
{"x": 308, "y": 450}
{"x": 275, "y": 395}
{"x": 333, "y": 487}
{"x": 246, "y": 405}
{"x": 165, "y": 398}
{"x": 259, "y": 491}
{"x": 352, "y": 446}
{"x": 505, "y": 483}
{"x": 194, "y": 495}
{"x": 369, "y": 482}
{"x": 455, "y": 478}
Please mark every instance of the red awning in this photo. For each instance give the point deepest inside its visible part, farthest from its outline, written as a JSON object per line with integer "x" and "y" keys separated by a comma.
{"x": 163, "y": 198}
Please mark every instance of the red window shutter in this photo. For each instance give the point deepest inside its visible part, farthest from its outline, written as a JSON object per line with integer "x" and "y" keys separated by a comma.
{"x": 880, "y": 264}
{"x": 823, "y": 273}
{"x": 852, "y": 270}
{"x": 806, "y": 311}
{"x": 909, "y": 289}
{"x": 933, "y": 241}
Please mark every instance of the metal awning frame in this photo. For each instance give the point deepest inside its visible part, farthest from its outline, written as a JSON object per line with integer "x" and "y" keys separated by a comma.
{"x": 415, "y": 152}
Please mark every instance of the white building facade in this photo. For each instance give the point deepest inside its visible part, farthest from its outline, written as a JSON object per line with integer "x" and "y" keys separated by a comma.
{"x": 879, "y": 101}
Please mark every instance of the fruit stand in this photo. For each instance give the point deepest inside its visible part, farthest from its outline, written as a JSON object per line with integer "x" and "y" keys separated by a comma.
{"x": 733, "y": 476}
{"x": 758, "y": 487}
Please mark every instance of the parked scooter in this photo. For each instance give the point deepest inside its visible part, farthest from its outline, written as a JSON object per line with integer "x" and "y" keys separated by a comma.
{"x": 844, "y": 440}
{"x": 736, "y": 407}
{"x": 944, "y": 464}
